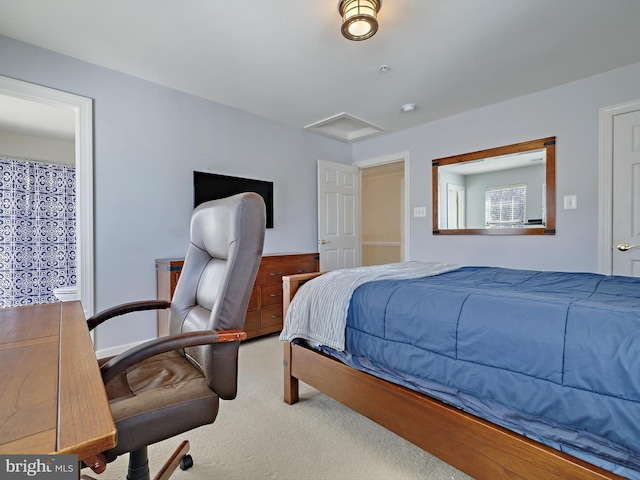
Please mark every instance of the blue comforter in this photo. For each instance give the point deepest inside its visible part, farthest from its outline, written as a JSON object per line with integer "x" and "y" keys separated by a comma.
{"x": 554, "y": 356}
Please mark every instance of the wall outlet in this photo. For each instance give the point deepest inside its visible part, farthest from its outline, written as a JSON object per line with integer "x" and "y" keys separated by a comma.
{"x": 419, "y": 211}
{"x": 570, "y": 202}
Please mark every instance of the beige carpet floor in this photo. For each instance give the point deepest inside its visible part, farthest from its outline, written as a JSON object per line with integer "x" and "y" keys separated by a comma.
{"x": 258, "y": 436}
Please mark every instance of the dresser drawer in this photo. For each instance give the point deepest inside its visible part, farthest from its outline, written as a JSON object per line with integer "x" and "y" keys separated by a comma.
{"x": 254, "y": 299}
{"x": 271, "y": 295}
{"x": 252, "y": 321}
{"x": 272, "y": 274}
{"x": 271, "y": 316}
{"x": 306, "y": 267}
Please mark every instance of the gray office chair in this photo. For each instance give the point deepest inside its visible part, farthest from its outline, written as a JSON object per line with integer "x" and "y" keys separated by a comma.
{"x": 173, "y": 384}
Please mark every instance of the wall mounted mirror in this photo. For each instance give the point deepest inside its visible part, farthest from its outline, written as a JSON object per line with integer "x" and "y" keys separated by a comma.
{"x": 507, "y": 190}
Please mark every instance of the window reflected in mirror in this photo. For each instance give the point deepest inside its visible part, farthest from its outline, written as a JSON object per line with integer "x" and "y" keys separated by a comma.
{"x": 507, "y": 190}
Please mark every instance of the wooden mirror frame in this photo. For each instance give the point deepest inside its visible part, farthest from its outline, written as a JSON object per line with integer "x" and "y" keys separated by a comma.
{"x": 548, "y": 144}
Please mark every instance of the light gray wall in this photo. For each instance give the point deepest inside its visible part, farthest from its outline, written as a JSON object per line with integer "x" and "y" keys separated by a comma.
{"x": 570, "y": 112}
{"x": 148, "y": 139}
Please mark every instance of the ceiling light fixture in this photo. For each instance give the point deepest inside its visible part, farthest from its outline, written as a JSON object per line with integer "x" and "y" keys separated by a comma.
{"x": 359, "y": 18}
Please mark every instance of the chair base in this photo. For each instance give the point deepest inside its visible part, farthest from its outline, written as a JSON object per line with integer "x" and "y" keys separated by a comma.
{"x": 179, "y": 458}
{"x": 138, "y": 468}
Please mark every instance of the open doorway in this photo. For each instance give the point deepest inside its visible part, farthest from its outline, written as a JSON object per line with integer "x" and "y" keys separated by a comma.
{"x": 382, "y": 213}
{"x": 81, "y": 109}
{"x": 384, "y": 209}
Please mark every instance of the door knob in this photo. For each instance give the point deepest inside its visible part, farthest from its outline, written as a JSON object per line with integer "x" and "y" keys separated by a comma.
{"x": 323, "y": 242}
{"x": 623, "y": 247}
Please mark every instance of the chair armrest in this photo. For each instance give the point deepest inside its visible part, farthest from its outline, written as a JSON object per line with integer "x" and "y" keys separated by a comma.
{"x": 104, "y": 315}
{"x": 119, "y": 363}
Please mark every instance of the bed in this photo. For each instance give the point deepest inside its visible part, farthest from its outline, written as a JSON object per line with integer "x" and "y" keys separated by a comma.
{"x": 529, "y": 374}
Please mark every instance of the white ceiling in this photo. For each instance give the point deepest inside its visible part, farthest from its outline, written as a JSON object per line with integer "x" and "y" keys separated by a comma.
{"x": 286, "y": 59}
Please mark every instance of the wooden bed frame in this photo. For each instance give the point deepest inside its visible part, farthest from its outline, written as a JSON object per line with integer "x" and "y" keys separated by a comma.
{"x": 470, "y": 444}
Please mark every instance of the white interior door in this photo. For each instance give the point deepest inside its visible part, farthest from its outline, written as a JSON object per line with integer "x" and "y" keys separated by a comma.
{"x": 338, "y": 215}
{"x": 626, "y": 193}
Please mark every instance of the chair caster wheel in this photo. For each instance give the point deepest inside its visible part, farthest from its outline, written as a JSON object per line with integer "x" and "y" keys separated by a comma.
{"x": 186, "y": 462}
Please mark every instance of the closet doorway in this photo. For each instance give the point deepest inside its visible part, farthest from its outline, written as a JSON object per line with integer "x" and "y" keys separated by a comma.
{"x": 382, "y": 214}
{"x": 384, "y": 207}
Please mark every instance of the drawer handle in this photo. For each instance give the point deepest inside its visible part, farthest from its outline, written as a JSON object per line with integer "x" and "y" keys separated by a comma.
{"x": 276, "y": 294}
{"x": 275, "y": 274}
{"x": 303, "y": 271}
{"x": 276, "y": 316}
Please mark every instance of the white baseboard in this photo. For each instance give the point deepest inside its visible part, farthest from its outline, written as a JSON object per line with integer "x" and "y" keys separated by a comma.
{"x": 118, "y": 349}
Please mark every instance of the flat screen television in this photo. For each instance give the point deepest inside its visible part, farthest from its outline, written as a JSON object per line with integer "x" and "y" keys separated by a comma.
{"x": 211, "y": 186}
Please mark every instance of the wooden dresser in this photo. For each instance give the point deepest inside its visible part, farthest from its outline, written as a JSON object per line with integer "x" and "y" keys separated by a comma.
{"x": 167, "y": 275}
{"x": 264, "y": 314}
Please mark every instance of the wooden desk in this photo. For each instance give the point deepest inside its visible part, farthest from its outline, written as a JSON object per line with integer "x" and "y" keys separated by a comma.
{"x": 52, "y": 399}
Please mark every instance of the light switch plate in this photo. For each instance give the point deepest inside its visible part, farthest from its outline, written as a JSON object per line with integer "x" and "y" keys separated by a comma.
{"x": 419, "y": 211}
{"x": 570, "y": 202}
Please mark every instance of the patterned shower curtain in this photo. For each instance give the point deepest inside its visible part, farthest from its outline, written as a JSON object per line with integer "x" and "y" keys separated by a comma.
{"x": 37, "y": 230}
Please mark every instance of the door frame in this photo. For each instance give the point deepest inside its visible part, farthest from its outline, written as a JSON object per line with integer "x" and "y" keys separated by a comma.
{"x": 83, "y": 111}
{"x": 392, "y": 158}
{"x": 605, "y": 186}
